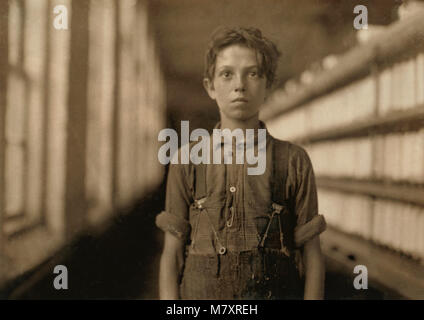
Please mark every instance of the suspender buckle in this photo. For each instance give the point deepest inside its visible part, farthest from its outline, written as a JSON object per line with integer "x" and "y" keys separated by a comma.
{"x": 198, "y": 203}
{"x": 277, "y": 208}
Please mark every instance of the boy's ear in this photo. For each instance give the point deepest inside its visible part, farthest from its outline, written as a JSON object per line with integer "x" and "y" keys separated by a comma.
{"x": 208, "y": 85}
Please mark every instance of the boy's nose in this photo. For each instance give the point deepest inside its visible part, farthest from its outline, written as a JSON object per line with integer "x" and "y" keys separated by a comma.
{"x": 240, "y": 85}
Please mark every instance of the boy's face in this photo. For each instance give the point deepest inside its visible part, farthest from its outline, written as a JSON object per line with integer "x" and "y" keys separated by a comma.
{"x": 237, "y": 87}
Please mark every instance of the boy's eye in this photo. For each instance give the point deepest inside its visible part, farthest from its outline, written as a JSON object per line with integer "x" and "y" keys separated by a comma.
{"x": 255, "y": 74}
{"x": 226, "y": 74}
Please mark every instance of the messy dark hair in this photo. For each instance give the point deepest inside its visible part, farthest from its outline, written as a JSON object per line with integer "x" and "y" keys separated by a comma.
{"x": 249, "y": 37}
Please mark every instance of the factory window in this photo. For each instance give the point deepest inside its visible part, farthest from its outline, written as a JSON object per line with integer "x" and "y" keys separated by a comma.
{"x": 24, "y": 114}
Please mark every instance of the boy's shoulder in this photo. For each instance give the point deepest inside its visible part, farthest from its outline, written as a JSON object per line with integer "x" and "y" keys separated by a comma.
{"x": 296, "y": 152}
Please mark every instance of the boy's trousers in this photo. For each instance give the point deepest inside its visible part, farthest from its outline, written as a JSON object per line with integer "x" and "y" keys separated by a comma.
{"x": 258, "y": 274}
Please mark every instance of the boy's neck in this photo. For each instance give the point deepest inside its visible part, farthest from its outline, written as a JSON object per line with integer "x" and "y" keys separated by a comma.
{"x": 252, "y": 123}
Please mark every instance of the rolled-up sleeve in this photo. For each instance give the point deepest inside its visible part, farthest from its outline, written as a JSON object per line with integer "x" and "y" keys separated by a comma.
{"x": 305, "y": 192}
{"x": 175, "y": 217}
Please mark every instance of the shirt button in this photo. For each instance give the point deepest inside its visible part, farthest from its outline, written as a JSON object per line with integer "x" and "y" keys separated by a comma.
{"x": 233, "y": 189}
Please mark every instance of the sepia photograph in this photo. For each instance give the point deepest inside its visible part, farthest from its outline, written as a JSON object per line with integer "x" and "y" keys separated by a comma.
{"x": 225, "y": 150}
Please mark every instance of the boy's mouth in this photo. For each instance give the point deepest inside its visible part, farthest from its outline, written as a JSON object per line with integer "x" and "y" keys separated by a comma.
{"x": 240, "y": 99}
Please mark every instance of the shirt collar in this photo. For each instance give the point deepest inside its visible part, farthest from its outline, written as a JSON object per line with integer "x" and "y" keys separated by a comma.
{"x": 240, "y": 144}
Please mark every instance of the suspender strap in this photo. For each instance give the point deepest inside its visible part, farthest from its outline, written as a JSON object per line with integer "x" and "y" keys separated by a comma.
{"x": 287, "y": 218}
{"x": 280, "y": 171}
{"x": 200, "y": 176}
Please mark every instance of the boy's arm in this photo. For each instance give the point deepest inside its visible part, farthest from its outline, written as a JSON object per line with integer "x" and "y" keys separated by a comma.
{"x": 314, "y": 270}
{"x": 171, "y": 264}
{"x": 306, "y": 206}
{"x": 174, "y": 222}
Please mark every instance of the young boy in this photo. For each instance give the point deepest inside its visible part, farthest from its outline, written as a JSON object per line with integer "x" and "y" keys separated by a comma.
{"x": 227, "y": 245}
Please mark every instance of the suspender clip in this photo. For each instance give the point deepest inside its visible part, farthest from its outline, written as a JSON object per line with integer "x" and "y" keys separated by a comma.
{"x": 198, "y": 203}
{"x": 277, "y": 208}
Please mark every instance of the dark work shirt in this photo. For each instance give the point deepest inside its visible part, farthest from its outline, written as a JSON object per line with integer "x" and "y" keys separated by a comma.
{"x": 237, "y": 204}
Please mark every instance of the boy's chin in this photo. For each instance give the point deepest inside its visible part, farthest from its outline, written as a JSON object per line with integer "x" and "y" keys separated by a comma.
{"x": 239, "y": 115}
